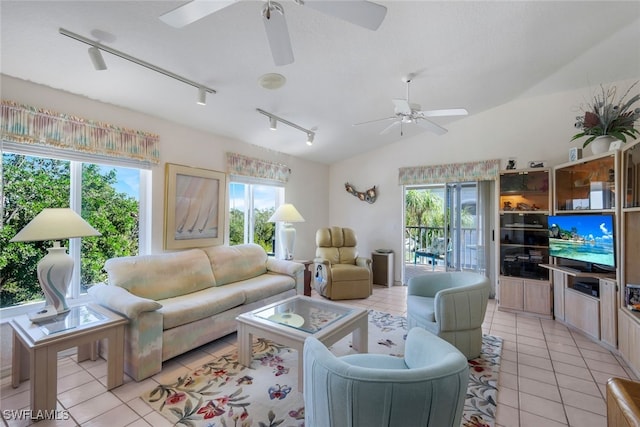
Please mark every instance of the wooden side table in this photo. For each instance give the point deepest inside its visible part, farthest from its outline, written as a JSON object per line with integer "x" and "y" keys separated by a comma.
{"x": 307, "y": 275}
{"x": 36, "y": 347}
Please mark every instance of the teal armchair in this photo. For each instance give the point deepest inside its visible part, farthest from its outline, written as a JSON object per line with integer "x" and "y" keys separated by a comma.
{"x": 425, "y": 388}
{"x": 451, "y": 305}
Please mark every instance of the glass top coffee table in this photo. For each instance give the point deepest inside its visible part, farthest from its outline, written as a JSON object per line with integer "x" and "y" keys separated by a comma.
{"x": 291, "y": 321}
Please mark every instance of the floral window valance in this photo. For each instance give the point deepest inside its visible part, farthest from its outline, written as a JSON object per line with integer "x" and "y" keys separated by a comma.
{"x": 454, "y": 172}
{"x": 249, "y": 167}
{"x": 29, "y": 125}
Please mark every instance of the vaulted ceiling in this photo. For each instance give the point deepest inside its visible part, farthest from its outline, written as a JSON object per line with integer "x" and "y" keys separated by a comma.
{"x": 475, "y": 55}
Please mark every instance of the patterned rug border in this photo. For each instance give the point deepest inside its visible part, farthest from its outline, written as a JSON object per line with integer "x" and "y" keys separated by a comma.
{"x": 218, "y": 393}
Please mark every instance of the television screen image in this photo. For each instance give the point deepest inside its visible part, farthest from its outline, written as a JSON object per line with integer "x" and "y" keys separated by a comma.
{"x": 587, "y": 238}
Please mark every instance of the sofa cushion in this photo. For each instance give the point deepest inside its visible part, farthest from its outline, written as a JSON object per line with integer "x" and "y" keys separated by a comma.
{"x": 188, "y": 308}
{"x": 263, "y": 286}
{"x": 347, "y": 272}
{"x": 235, "y": 263}
{"x": 161, "y": 276}
{"x": 422, "y": 306}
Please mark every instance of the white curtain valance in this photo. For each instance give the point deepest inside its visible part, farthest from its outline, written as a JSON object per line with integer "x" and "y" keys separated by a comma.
{"x": 24, "y": 124}
{"x": 454, "y": 172}
{"x": 257, "y": 169}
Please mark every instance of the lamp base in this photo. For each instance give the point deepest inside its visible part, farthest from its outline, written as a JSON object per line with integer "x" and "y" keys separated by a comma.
{"x": 46, "y": 313}
{"x": 54, "y": 274}
{"x": 288, "y": 239}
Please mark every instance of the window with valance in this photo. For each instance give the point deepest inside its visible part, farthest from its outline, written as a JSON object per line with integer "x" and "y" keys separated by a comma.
{"x": 101, "y": 171}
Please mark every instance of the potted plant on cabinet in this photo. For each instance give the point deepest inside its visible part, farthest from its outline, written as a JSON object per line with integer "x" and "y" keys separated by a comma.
{"x": 605, "y": 120}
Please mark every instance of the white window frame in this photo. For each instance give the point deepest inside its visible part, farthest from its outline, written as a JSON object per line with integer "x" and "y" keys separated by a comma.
{"x": 74, "y": 296}
{"x": 249, "y": 219}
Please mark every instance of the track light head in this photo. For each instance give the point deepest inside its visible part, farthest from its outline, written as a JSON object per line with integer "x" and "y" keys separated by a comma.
{"x": 97, "y": 59}
{"x": 273, "y": 123}
{"x": 310, "y": 137}
{"x": 202, "y": 96}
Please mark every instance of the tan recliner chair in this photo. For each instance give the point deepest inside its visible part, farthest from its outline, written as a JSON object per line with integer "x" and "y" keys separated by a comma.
{"x": 339, "y": 273}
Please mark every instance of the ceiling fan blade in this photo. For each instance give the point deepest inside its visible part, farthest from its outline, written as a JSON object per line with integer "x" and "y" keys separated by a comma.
{"x": 359, "y": 12}
{"x": 193, "y": 11}
{"x": 402, "y": 106}
{"x": 391, "y": 126}
{"x": 443, "y": 113}
{"x": 373, "y": 121}
{"x": 433, "y": 127}
{"x": 277, "y": 33}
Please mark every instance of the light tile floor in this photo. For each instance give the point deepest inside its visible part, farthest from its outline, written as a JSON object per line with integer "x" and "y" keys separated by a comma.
{"x": 550, "y": 376}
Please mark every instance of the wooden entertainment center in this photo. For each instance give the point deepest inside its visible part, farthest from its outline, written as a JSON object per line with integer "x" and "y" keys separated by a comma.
{"x": 534, "y": 283}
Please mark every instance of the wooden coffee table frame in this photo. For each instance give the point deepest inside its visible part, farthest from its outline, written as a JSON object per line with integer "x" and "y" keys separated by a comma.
{"x": 35, "y": 354}
{"x": 355, "y": 322}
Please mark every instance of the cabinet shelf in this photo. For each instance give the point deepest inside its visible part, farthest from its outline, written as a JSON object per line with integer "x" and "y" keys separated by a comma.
{"x": 523, "y": 247}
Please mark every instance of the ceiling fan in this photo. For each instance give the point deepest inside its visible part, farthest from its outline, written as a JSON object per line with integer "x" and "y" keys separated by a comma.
{"x": 407, "y": 112}
{"x": 359, "y": 12}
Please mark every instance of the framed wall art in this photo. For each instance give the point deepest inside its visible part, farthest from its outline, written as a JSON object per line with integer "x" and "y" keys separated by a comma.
{"x": 193, "y": 207}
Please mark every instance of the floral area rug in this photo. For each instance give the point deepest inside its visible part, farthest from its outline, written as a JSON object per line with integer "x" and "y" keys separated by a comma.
{"x": 223, "y": 393}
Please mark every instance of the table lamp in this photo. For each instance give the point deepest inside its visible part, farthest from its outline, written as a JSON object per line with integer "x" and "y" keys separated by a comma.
{"x": 287, "y": 213}
{"x": 56, "y": 268}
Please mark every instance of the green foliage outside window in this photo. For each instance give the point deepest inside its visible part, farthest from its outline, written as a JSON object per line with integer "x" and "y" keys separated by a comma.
{"x": 263, "y": 232}
{"x": 31, "y": 184}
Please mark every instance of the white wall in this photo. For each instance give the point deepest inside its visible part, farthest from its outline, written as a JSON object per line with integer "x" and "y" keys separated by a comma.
{"x": 306, "y": 189}
{"x": 534, "y": 128}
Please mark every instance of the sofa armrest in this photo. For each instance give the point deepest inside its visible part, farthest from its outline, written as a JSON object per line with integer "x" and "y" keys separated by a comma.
{"x": 363, "y": 262}
{"x": 122, "y": 301}
{"x": 288, "y": 268}
{"x": 282, "y": 266}
{"x": 461, "y": 308}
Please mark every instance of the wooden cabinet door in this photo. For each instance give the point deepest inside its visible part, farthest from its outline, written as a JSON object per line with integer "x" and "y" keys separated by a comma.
{"x": 511, "y": 293}
{"x": 583, "y": 312}
{"x": 537, "y": 296}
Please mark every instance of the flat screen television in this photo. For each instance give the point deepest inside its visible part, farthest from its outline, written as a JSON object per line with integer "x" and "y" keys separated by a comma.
{"x": 588, "y": 238}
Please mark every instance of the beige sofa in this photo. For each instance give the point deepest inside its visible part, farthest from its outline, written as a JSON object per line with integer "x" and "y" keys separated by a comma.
{"x": 178, "y": 301}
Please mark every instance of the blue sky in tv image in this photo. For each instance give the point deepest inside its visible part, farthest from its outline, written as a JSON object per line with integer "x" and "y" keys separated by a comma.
{"x": 587, "y": 238}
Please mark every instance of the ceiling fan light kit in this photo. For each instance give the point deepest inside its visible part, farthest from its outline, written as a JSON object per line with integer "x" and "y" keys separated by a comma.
{"x": 406, "y": 112}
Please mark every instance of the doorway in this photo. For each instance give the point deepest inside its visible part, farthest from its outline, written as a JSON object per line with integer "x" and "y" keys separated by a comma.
{"x": 447, "y": 228}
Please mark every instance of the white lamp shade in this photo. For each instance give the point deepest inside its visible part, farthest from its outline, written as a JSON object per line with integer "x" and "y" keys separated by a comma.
{"x": 286, "y": 213}
{"x": 55, "y": 224}
{"x": 56, "y": 268}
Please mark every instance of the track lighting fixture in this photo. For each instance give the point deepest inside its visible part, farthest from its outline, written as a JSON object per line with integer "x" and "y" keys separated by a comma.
{"x": 273, "y": 121}
{"x": 202, "y": 96}
{"x": 95, "y": 53}
{"x": 97, "y": 59}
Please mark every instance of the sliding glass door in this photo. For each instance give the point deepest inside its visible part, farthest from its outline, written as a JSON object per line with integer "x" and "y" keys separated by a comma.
{"x": 447, "y": 227}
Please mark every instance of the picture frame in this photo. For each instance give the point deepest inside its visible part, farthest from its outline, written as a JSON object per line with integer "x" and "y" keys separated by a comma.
{"x": 193, "y": 207}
